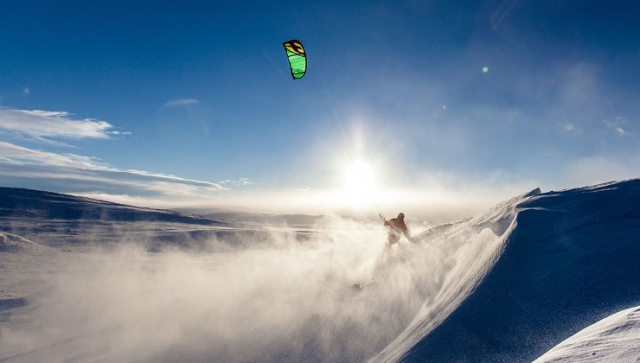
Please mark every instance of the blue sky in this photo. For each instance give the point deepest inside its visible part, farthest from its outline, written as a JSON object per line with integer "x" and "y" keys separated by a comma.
{"x": 181, "y": 103}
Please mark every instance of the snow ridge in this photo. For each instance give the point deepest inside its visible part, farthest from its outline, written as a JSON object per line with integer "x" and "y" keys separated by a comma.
{"x": 568, "y": 260}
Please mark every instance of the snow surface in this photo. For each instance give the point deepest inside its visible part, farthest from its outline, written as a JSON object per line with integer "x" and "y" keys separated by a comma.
{"x": 569, "y": 260}
{"x": 505, "y": 286}
{"x": 613, "y": 339}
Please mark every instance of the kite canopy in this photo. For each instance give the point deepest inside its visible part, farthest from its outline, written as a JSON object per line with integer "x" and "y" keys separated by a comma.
{"x": 297, "y": 58}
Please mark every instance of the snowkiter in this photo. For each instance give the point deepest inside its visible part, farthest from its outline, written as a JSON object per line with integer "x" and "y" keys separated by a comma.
{"x": 397, "y": 228}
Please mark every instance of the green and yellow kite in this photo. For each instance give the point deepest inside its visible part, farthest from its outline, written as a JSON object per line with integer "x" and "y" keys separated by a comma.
{"x": 297, "y": 58}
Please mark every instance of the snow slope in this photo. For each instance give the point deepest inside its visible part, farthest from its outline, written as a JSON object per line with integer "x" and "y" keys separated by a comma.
{"x": 615, "y": 339}
{"x": 26, "y": 203}
{"x": 505, "y": 286}
{"x": 270, "y": 297}
{"x": 569, "y": 260}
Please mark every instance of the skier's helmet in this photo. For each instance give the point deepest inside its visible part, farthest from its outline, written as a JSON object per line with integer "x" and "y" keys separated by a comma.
{"x": 400, "y": 215}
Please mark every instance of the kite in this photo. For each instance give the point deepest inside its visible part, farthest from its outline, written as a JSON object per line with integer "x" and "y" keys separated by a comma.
{"x": 297, "y": 58}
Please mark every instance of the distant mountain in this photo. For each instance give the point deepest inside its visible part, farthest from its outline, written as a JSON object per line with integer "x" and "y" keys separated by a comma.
{"x": 19, "y": 203}
{"x": 290, "y": 220}
{"x": 61, "y": 220}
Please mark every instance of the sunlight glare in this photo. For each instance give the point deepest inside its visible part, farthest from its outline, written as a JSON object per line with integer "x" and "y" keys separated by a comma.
{"x": 359, "y": 184}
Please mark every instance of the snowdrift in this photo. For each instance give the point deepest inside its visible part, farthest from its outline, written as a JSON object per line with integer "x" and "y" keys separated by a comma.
{"x": 13, "y": 243}
{"x": 570, "y": 259}
{"x": 614, "y": 339}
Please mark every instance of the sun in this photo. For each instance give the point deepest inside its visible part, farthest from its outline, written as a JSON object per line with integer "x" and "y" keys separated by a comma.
{"x": 359, "y": 184}
{"x": 358, "y": 176}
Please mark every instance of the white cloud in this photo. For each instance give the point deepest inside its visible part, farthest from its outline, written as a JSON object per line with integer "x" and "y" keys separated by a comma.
{"x": 72, "y": 173}
{"x": 77, "y": 173}
{"x": 18, "y": 155}
{"x": 181, "y": 103}
{"x": 617, "y": 125}
{"x": 242, "y": 181}
{"x": 42, "y": 125}
{"x": 572, "y": 129}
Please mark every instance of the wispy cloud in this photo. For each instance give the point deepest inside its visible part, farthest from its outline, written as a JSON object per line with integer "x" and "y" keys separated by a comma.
{"x": 242, "y": 181}
{"x": 18, "y": 155}
{"x": 59, "y": 171}
{"x": 181, "y": 103}
{"x": 78, "y": 174}
{"x": 45, "y": 125}
{"x": 572, "y": 129}
{"x": 618, "y": 124}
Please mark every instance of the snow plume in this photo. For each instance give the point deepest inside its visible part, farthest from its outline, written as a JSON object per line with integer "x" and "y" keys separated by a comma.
{"x": 283, "y": 296}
